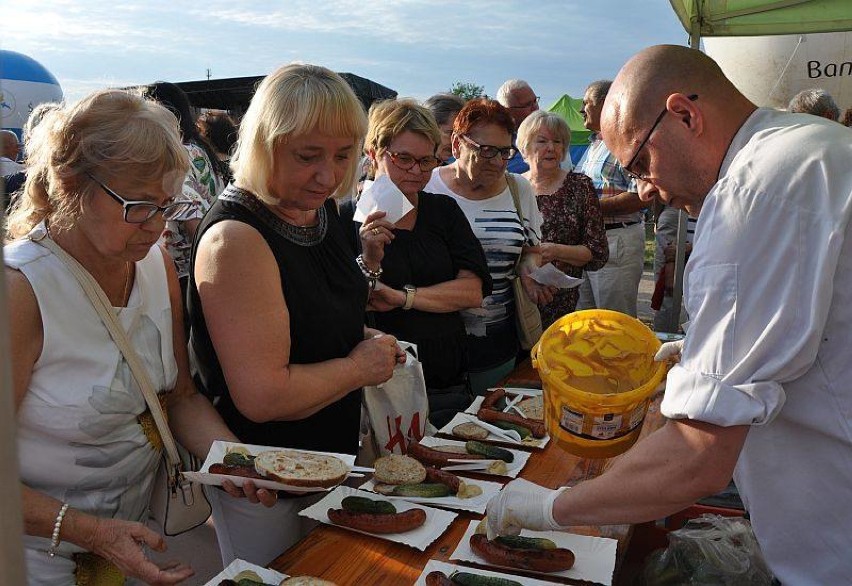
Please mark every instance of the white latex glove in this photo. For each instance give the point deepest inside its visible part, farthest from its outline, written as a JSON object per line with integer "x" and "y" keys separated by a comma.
{"x": 670, "y": 351}
{"x": 521, "y": 505}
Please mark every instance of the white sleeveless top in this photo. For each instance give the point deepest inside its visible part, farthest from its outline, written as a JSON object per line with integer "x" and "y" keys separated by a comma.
{"x": 82, "y": 435}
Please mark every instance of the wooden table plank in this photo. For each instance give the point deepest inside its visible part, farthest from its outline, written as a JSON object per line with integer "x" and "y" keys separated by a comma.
{"x": 346, "y": 557}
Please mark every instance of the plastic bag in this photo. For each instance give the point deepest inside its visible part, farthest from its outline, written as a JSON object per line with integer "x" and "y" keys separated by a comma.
{"x": 711, "y": 550}
{"x": 399, "y": 408}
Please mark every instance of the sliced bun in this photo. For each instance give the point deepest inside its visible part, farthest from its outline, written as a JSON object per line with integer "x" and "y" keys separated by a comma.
{"x": 296, "y": 468}
{"x": 470, "y": 431}
{"x": 306, "y": 581}
{"x": 532, "y": 408}
{"x": 396, "y": 469}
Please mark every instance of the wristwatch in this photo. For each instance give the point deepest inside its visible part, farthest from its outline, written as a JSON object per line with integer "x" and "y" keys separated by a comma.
{"x": 410, "y": 292}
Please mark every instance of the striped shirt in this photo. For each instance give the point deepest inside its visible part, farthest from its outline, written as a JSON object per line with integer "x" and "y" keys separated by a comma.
{"x": 608, "y": 177}
{"x": 496, "y": 224}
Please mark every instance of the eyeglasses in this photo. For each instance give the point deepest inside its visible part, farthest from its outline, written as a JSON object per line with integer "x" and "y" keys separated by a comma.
{"x": 644, "y": 176}
{"x": 526, "y": 106}
{"x": 406, "y": 162}
{"x": 139, "y": 212}
{"x": 487, "y": 151}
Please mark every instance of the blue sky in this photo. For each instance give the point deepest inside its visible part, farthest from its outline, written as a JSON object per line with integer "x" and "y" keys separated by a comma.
{"x": 417, "y": 47}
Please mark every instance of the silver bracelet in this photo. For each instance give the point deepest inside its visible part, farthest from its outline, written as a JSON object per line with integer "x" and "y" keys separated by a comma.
{"x": 369, "y": 273}
{"x": 57, "y": 526}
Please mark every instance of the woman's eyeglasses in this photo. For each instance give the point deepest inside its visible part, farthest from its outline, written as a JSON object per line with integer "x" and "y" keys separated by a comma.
{"x": 487, "y": 151}
{"x": 139, "y": 212}
{"x": 406, "y": 162}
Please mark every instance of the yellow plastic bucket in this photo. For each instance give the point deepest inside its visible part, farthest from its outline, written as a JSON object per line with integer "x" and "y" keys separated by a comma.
{"x": 598, "y": 373}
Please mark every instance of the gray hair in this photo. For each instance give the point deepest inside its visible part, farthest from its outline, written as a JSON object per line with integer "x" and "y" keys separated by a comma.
{"x": 598, "y": 90}
{"x": 815, "y": 101}
{"x": 508, "y": 87}
{"x": 35, "y": 118}
{"x": 536, "y": 121}
{"x": 8, "y": 143}
{"x": 444, "y": 107}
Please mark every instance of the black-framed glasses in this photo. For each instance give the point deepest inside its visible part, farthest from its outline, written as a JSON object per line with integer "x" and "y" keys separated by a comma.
{"x": 487, "y": 151}
{"x": 530, "y": 104}
{"x": 139, "y": 212}
{"x": 643, "y": 176}
{"x": 406, "y": 162}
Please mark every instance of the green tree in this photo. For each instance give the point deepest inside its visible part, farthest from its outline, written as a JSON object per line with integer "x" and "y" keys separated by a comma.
{"x": 467, "y": 91}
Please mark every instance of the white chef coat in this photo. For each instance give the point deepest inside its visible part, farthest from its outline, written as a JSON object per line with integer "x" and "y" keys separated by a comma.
{"x": 768, "y": 289}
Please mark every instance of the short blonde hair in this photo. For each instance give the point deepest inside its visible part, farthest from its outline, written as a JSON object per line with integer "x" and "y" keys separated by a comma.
{"x": 110, "y": 134}
{"x": 536, "y": 121}
{"x": 390, "y": 118}
{"x": 292, "y": 101}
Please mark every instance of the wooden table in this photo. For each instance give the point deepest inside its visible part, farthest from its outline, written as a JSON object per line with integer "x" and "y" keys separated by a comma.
{"x": 346, "y": 557}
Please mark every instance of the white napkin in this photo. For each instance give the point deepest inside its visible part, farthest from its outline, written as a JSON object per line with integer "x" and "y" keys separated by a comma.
{"x": 385, "y": 196}
{"x": 550, "y": 275}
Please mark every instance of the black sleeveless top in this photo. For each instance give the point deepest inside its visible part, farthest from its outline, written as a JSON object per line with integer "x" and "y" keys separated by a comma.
{"x": 326, "y": 295}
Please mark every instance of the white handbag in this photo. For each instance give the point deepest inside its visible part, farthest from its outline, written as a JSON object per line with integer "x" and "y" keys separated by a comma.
{"x": 177, "y": 504}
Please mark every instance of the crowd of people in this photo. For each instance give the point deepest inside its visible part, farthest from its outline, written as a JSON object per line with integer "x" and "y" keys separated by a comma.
{"x": 261, "y": 307}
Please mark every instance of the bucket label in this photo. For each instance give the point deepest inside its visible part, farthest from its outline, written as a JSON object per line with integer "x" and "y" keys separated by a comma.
{"x": 571, "y": 421}
{"x": 602, "y": 427}
{"x": 606, "y": 427}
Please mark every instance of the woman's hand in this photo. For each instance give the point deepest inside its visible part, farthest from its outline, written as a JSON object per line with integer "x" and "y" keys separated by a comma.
{"x": 251, "y": 492}
{"x": 549, "y": 252}
{"x": 538, "y": 293}
{"x": 375, "y": 232}
{"x": 122, "y": 543}
{"x": 385, "y": 299}
{"x": 376, "y": 358}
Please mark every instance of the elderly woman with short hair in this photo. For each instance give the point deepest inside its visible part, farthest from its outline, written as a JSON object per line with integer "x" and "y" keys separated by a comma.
{"x": 478, "y": 181}
{"x": 276, "y": 300}
{"x": 572, "y": 230}
{"x": 431, "y": 264}
{"x": 104, "y": 176}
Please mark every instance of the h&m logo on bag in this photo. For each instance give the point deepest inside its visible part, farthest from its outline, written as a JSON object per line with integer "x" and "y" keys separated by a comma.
{"x": 396, "y": 437}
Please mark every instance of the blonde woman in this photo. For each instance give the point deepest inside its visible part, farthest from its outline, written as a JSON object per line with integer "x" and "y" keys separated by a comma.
{"x": 276, "y": 300}
{"x": 103, "y": 177}
{"x": 431, "y": 264}
{"x": 572, "y": 229}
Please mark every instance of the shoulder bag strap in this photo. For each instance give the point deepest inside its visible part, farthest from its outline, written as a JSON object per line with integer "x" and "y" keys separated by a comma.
{"x": 513, "y": 189}
{"x": 104, "y": 308}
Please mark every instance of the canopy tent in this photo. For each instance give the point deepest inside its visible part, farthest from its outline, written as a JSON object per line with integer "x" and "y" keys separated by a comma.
{"x": 727, "y": 18}
{"x": 740, "y": 18}
{"x": 570, "y": 109}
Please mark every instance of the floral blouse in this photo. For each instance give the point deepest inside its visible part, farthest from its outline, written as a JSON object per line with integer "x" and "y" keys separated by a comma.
{"x": 572, "y": 215}
{"x": 201, "y": 185}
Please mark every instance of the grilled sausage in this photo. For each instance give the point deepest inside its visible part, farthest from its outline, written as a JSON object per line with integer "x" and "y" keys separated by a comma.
{"x": 491, "y": 399}
{"x": 438, "y": 579}
{"x": 381, "y": 523}
{"x": 537, "y": 560}
{"x": 244, "y": 471}
{"x": 446, "y": 478}
{"x": 536, "y": 427}
{"x": 436, "y": 458}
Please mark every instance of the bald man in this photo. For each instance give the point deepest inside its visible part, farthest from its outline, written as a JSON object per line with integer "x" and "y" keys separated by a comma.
{"x": 9, "y": 153}
{"x": 763, "y": 390}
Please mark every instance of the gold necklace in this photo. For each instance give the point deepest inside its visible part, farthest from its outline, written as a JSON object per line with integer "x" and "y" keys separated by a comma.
{"x": 125, "y": 297}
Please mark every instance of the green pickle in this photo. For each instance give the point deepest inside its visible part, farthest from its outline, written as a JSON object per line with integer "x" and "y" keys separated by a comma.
{"x": 467, "y": 579}
{"x": 360, "y": 504}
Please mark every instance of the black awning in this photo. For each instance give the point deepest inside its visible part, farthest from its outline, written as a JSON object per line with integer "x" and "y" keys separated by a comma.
{"x": 235, "y": 93}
